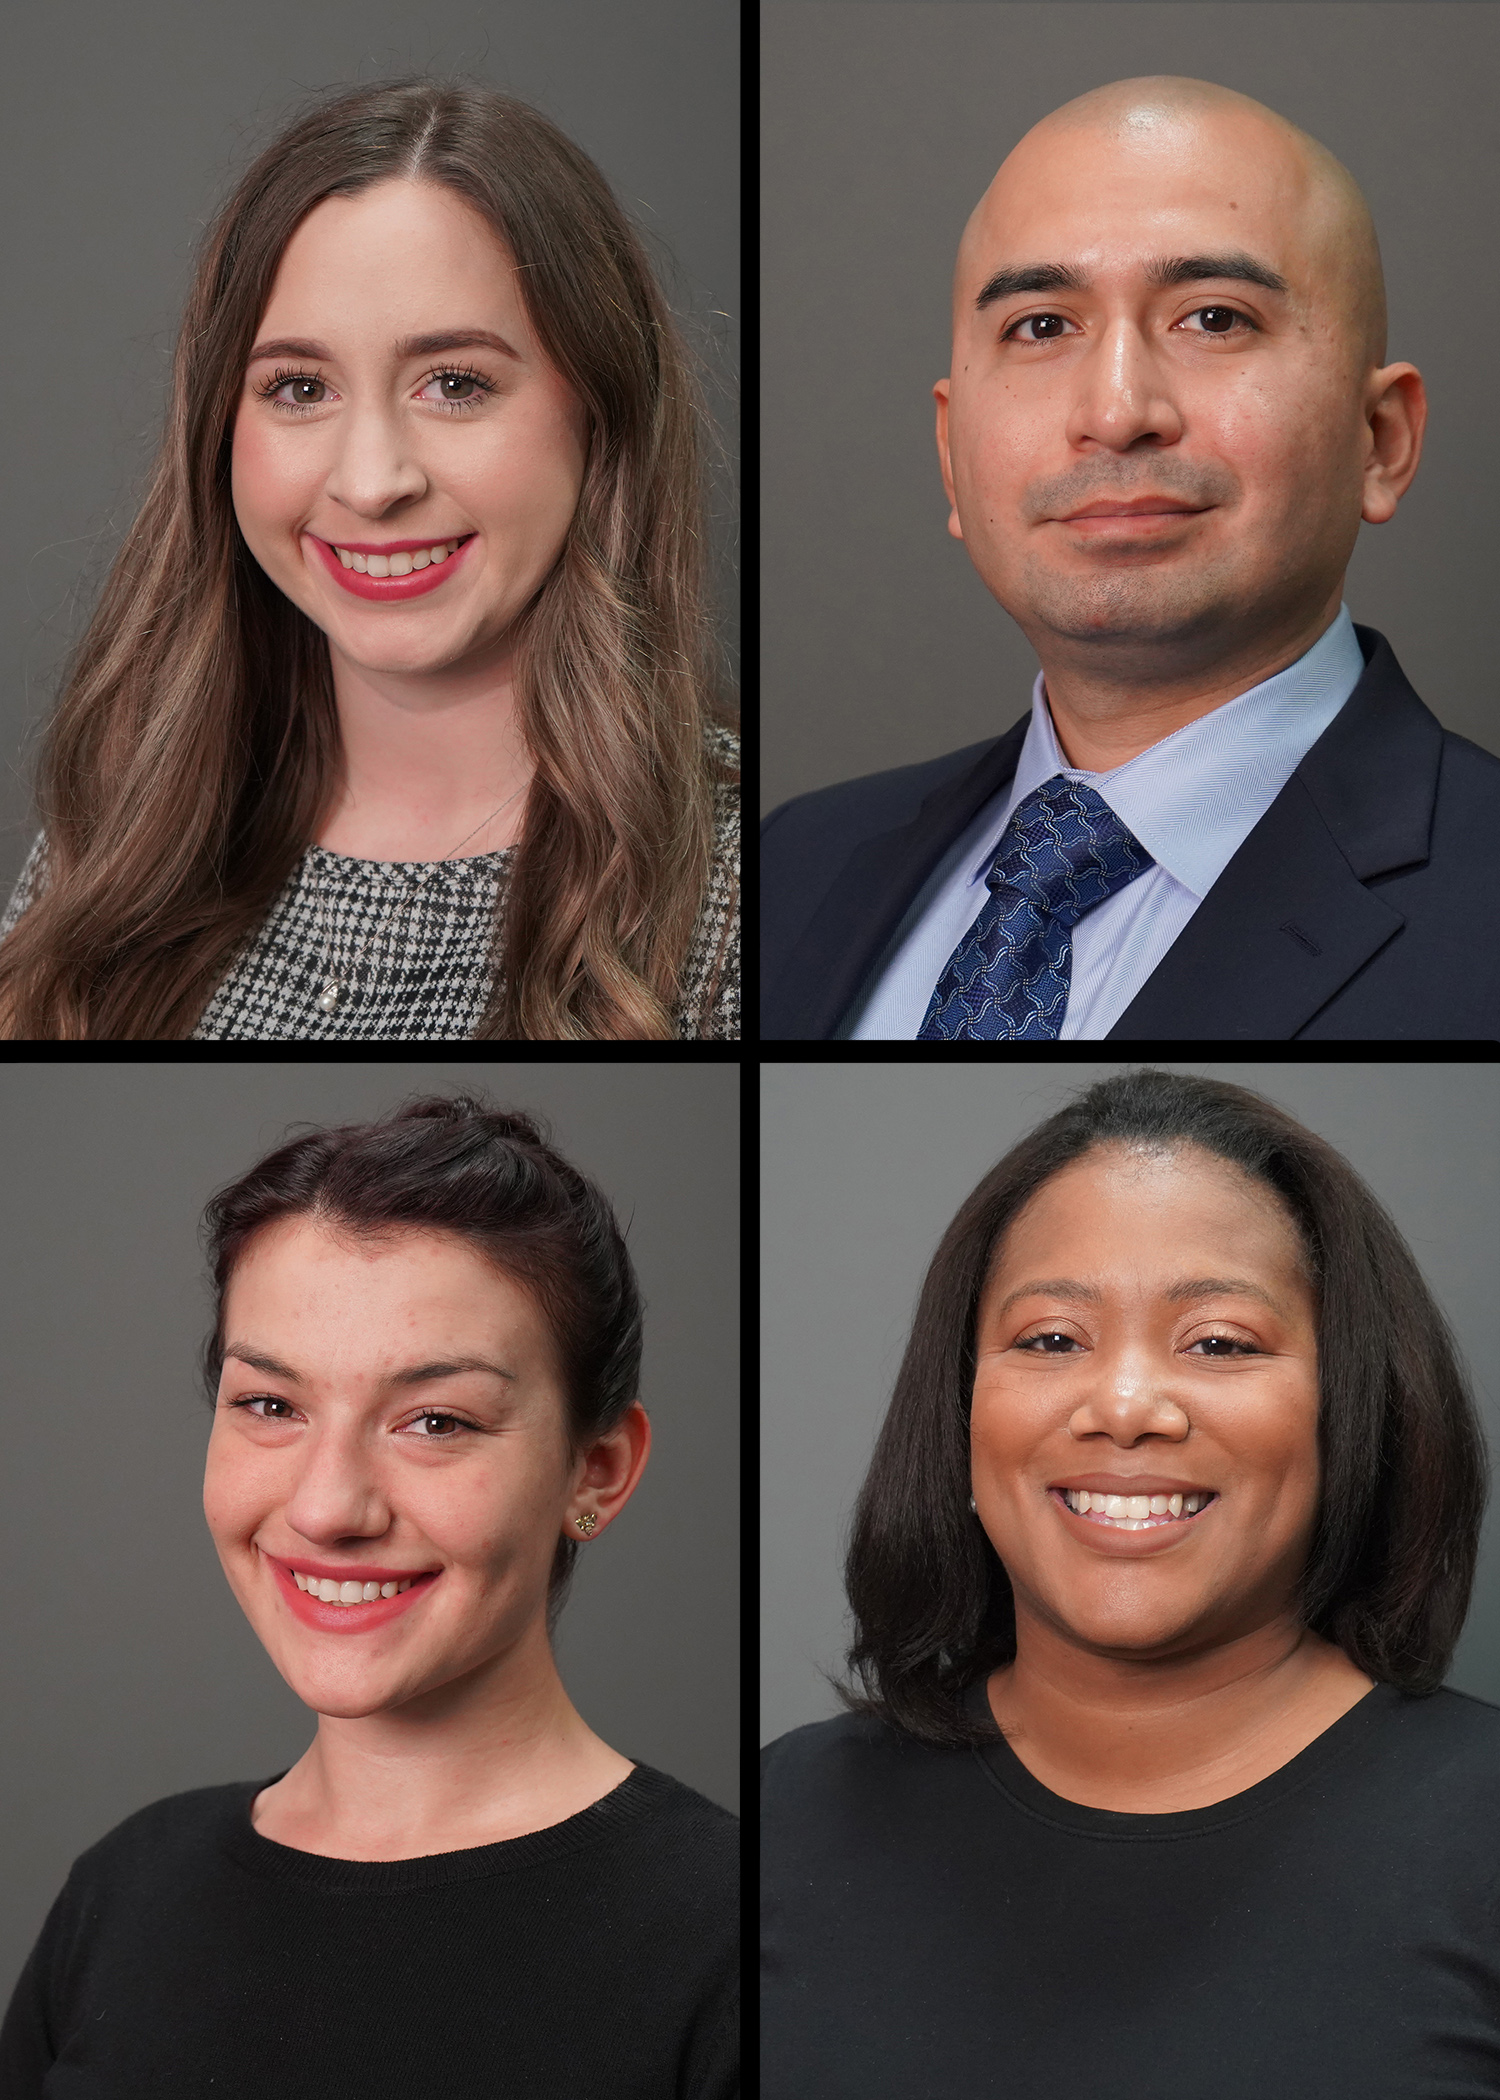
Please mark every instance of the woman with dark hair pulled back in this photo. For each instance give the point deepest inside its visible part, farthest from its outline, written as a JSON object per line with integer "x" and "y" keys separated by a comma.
{"x": 424, "y": 1374}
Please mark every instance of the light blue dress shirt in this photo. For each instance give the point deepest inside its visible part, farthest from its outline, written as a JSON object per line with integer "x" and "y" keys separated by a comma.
{"x": 1191, "y": 800}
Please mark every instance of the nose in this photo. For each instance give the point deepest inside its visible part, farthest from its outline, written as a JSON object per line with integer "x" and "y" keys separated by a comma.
{"x": 337, "y": 1493}
{"x": 1122, "y": 394}
{"x": 1129, "y": 1398}
{"x": 374, "y": 468}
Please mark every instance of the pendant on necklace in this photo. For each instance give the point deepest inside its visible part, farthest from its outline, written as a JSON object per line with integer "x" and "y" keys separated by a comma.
{"x": 328, "y": 998}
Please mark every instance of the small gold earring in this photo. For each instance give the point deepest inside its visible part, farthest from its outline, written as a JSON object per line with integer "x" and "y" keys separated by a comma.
{"x": 586, "y": 1523}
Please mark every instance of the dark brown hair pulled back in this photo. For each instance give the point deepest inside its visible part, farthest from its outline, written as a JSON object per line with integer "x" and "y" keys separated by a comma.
{"x": 489, "y": 1176}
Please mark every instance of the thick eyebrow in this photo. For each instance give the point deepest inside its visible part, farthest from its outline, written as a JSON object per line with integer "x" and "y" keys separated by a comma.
{"x": 1165, "y": 270}
{"x": 1175, "y": 1294}
{"x": 409, "y": 346}
{"x": 413, "y": 1374}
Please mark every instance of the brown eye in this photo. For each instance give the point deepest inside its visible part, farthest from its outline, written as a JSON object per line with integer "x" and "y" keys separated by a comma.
{"x": 1218, "y": 320}
{"x": 1048, "y": 328}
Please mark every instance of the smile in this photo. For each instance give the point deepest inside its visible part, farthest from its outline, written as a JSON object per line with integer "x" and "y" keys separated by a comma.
{"x": 404, "y": 572}
{"x": 352, "y": 1604}
{"x": 327, "y": 1592}
{"x": 1135, "y": 1512}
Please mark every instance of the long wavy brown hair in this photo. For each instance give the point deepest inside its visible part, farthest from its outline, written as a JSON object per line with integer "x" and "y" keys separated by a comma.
{"x": 195, "y": 746}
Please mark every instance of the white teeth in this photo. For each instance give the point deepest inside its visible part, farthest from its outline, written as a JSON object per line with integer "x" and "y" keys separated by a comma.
{"x": 329, "y": 1592}
{"x": 1133, "y": 1512}
{"x": 396, "y": 564}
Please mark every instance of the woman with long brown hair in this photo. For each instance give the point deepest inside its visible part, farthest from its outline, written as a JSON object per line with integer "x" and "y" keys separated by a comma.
{"x": 397, "y": 718}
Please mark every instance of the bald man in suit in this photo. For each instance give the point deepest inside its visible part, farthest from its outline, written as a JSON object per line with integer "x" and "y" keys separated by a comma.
{"x": 1227, "y": 814}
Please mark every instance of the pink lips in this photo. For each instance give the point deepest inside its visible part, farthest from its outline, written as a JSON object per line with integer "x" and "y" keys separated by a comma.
{"x": 387, "y": 590}
{"x": 349, "y": 1618}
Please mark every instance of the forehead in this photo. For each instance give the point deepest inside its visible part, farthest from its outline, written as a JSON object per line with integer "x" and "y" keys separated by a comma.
{"x": 360, "y": 1297}
{"x": 398, "y": 253}
{"x": 1149, "y": 1209}
{"x": 1108, "y": 202}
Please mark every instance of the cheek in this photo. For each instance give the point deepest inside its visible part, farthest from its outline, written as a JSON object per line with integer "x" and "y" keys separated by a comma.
{"x": 528, "y": 471}
{"x": 238, "y": 1489}
{"x": 270, "y": 482}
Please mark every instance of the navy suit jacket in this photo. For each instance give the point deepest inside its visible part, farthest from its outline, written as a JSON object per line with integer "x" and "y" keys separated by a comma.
{"x": 1364, "y": 906}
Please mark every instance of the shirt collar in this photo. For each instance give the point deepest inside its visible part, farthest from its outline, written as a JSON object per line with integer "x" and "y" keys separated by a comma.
{"x": 1193, "y": 798}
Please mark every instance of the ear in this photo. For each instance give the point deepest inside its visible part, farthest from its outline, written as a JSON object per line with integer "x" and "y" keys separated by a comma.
{"x": 1396, "y": 411}
{"x": 606, "y": 1471}
{"x": 940, "y": 395}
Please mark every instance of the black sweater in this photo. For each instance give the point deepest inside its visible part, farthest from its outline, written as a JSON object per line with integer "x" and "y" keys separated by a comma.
{"x": 938, "y": 1923}
{"x": 190, "y": 1956}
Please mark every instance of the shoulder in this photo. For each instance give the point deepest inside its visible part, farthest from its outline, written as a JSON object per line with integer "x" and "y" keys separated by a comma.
{"x": 29, "y": 884}
{"x": 176, "y": 1831}
{"x": 1448, "y": 1729}
{"x": 685, "y": 1815}
{"x": 723, "y": 743}
{"x": 807, "y": 1767}
{"x": 873, "y": 802}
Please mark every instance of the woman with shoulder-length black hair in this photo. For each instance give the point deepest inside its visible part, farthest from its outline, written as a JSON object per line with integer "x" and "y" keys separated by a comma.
{"x": 424, "y": 1372}
{"x": 399, "y": 717}
{"x": 1149, "y": 1787}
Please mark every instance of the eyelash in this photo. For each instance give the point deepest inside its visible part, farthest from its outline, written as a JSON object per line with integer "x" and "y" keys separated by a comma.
{"x": 431, "y": 1414}
{"x": 1044, "y": 1334}
{"x": 1215, "y": 306}
{"x": 269, "y": 388}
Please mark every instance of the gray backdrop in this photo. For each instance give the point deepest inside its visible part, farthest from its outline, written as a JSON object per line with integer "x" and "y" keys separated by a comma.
{"x": 123, "y": 127}
{"x": 883, "y": 126}
{"x": 127, "y": 1671}
{"x": 864, "y": 1167}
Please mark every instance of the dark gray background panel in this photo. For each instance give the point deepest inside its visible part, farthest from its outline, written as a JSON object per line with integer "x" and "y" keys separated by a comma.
{"x": 863, "y": 1169}
{"x": 122, "y": 129}
{"x": 883, "y": 125}
{"x": 127, "y": 1670}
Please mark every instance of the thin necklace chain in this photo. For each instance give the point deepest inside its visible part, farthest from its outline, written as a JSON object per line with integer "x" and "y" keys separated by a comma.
{"x": 333, "y": 982}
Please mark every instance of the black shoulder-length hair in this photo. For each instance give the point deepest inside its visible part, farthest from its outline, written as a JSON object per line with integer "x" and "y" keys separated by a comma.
{"x": 1402, "y": 1458}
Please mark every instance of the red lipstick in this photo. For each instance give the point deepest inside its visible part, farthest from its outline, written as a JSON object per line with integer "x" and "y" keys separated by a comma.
{"x": 388, "y": 590}
{"x": 348, "y": 1618}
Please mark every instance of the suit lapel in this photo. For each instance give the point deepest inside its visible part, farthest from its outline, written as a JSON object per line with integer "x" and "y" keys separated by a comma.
{"x": 866, "y": 903}
{"x": 1290, "y": 920}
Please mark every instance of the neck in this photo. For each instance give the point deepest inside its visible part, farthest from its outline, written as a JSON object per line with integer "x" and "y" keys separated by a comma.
{"x": 424, "y": 760}
{"x": 1173, "y": 1732}
{"x": 493, "y": 1755}
{"x": 1109, "y": 704}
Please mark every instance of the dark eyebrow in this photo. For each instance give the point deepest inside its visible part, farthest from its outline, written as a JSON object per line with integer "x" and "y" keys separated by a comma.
{"x": 409, "y": 346}
{"x": 413, "y": 1374}
{"x": 1175, "y": 1294}
{"x": 1176, "y": 269}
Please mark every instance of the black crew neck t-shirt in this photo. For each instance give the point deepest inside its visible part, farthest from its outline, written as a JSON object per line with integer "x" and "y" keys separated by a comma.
{"x": 190, "y": 1958}
{"x": 937, "y": 1923}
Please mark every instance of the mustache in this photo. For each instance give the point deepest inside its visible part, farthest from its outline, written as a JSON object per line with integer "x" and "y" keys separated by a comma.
{"x": 1118, "y": 480}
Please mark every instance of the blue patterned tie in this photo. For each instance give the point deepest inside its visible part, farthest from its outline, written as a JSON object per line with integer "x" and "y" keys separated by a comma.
{"x": 1063, "y": 851}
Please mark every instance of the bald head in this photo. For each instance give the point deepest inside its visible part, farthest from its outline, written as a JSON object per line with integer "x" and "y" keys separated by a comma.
{"x": 1216, "y": 146}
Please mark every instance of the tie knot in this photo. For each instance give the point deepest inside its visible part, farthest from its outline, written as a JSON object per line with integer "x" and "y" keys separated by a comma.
{"x": 1064, "y": 850}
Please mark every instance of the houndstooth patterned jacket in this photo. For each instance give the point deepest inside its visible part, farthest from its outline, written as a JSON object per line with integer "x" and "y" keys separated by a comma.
{"x": 412, "y": 944}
